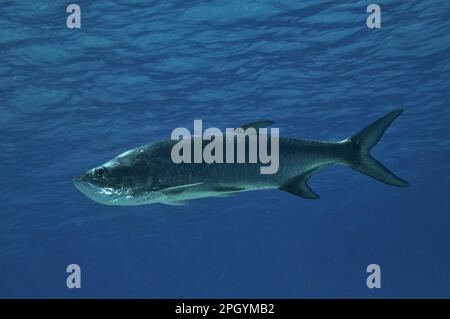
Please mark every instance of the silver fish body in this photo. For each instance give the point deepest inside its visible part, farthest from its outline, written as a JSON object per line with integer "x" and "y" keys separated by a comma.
{"x": 147, "y": 174}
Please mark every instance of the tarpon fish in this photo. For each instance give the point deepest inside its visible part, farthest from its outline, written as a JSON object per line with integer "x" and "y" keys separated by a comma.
{"x": 147, "y": 174}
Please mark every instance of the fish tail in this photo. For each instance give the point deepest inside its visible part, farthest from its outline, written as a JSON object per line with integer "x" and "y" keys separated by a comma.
{"x": 360, "y": 145}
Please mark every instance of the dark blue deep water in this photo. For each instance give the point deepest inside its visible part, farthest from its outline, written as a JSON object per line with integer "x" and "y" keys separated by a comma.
{"x": 71, "y": 99}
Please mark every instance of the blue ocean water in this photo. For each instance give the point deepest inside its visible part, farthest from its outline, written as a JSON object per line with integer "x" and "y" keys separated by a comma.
{"x": 71, "y": 99}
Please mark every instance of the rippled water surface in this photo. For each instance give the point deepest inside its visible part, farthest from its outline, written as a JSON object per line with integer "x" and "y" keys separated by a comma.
{"x": 71, "y": 99}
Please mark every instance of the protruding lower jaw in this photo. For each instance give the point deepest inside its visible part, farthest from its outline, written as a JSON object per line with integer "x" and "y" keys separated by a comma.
{"x": 82, "y": 185}
{"x": 87, "y": 189}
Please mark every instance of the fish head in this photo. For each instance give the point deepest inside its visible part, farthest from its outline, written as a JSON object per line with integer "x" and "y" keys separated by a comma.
{"x": 102, "y": 184}
{"x": 120, "y": 181}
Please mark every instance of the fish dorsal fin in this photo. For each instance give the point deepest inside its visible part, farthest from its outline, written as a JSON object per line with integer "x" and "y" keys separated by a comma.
{"x": 257, "y": 125}
{"x": 299, "y": 186}
{"x": 178, "y": 189}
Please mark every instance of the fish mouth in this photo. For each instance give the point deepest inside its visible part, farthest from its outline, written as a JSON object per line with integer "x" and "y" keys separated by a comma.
{"x": 92, "y": 191}
{"x": 81, "y": 183}
{"x": 78, "y": 179}
{"x": 87, "y": 189}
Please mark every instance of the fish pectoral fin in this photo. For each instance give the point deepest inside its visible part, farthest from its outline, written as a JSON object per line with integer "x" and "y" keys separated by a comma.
{"x": 299, "y": 186}
{"x": 178, "y": 189}
{"x": 257, "y": 125}
{"x": 227, "y": 189}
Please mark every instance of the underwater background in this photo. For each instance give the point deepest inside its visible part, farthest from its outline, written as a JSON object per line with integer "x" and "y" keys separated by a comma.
{"x": 71, "y": 99}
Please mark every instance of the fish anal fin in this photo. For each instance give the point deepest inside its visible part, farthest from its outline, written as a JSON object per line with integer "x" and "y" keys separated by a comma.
{"x": 299, "y": 186}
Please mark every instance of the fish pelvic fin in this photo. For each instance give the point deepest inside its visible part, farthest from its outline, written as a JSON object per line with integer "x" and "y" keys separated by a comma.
{"x": 360, "y": 145}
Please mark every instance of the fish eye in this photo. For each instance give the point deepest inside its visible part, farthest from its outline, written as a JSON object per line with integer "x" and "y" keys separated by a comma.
{"x": 99, "y": 171}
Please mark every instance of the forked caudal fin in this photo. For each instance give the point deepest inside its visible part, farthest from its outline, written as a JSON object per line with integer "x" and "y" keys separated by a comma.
{"x": 363, "y": 142}
{"x": 357, "y": 156}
